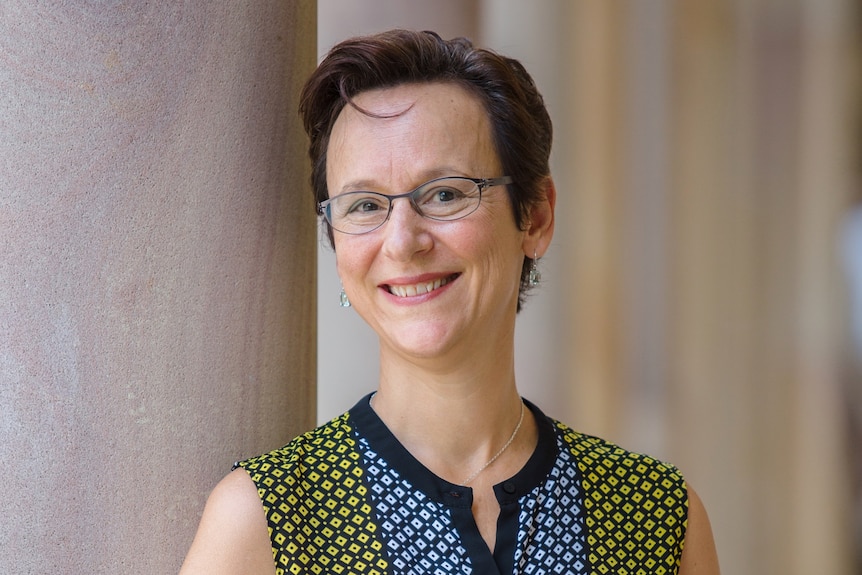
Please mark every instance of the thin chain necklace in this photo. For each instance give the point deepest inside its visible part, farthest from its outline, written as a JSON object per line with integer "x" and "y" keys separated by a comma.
{"x": 502, "y": 449}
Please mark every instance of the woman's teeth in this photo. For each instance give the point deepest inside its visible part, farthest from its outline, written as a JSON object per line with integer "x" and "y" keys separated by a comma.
{"x": 418, "y": 289}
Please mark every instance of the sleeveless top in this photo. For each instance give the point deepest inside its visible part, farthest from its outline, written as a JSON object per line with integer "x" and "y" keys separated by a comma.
{"x": 347, "y": 497}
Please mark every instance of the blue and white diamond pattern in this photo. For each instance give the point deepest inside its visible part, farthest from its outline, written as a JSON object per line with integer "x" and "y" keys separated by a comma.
{"x": 419, "y": 533}
{"x": 551, "y": 533}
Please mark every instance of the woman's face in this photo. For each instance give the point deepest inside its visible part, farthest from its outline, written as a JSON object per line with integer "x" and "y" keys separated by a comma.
{"x": 472, "y": 265}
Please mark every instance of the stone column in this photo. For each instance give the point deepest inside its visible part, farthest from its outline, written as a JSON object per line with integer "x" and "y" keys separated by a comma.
{"x": 157, "y": 269}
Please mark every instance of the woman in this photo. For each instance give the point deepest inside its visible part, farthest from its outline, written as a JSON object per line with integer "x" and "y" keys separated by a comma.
{"x": 430, "y": 166}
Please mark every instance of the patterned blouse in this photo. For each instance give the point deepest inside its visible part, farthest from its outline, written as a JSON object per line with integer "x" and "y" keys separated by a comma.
{"x": 347, "y": 497}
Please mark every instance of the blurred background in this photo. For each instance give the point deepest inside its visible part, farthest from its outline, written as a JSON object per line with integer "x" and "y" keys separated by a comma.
{"x": 161, "y": 318}
{"x": 698, "y": 299}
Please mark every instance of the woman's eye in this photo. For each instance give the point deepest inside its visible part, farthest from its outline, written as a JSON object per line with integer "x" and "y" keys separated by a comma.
{"x": 364, "y": 206}
{"x": 368, "y": 207}
{"x": 444, "y": 195}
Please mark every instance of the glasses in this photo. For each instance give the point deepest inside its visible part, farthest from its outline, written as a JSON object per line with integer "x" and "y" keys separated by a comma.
{"x": 442, "y": 199}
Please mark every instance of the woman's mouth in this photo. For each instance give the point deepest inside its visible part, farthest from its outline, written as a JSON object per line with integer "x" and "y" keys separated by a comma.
{"x": 420, "y": 288}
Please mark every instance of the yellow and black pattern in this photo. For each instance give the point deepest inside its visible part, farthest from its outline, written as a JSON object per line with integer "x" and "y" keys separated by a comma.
{"x": 320, "y": 518}
{"x": 618, "y": 513}
{"x": 636, "y": 508}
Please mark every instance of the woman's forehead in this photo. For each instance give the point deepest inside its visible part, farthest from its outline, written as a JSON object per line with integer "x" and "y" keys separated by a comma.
{"x": 393, "y": 100}
{"x": 427, "y": 106}
{"x": 418, "y": 127}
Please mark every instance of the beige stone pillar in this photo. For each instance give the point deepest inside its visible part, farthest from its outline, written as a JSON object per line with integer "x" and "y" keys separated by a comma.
{"x": 157, "y": 269}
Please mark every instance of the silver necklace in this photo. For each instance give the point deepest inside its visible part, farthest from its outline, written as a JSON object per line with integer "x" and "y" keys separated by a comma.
{"x": 499, "y": 453}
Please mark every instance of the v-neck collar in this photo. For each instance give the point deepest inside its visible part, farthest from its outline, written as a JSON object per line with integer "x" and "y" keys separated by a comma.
{"x": 459, "y": 498}
{"x": 384, "y": 443}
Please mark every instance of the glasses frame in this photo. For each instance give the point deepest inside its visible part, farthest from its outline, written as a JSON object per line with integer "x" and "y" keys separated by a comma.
{"x": 482, "y": 184}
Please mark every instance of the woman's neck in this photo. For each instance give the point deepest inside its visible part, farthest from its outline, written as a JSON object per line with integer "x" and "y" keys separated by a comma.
{"x": 455, "y": 420}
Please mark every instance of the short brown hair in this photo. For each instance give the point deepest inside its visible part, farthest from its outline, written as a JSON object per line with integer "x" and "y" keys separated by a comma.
{"x": 520, "y": 125}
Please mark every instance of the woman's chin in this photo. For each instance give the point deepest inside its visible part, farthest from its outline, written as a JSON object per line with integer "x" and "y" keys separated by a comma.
{"x": 421, "y": 341}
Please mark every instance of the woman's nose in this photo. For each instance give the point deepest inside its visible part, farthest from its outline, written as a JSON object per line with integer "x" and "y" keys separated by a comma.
{"x": 406, "y": 232}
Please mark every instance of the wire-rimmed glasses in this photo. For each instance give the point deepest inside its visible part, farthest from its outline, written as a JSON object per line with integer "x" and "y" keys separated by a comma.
{"x": 443, "y": 199}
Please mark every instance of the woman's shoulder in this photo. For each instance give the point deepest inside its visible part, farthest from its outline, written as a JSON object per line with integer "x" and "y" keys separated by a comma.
{"x": 333, "y": 437}
{"x": 232, "y": 536}
{"x": 629, "y": 497}
{"x": 605, "y": 457}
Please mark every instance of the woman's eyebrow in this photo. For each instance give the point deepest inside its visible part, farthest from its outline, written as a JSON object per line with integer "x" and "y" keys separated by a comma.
{"x": 366, "y": 185}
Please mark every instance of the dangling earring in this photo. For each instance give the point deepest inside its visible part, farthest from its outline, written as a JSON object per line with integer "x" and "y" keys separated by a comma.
{"x": 343, "y": 300}
{"x": 535, "y": 276}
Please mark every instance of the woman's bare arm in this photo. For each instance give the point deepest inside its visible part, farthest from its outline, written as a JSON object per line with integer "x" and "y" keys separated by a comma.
{"x": 233, "y": 537}
{"x": 698, "y": 554}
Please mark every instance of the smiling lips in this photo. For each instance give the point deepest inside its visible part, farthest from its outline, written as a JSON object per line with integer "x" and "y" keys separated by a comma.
{"x": 419, "y": 288}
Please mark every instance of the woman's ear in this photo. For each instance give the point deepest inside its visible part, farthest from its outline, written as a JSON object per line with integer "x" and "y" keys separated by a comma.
{"x": 540, "y": 225}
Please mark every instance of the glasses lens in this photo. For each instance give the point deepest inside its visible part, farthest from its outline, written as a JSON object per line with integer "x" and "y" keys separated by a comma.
{"x": 447, "y": 198}
{"x": 357, "y": 212}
